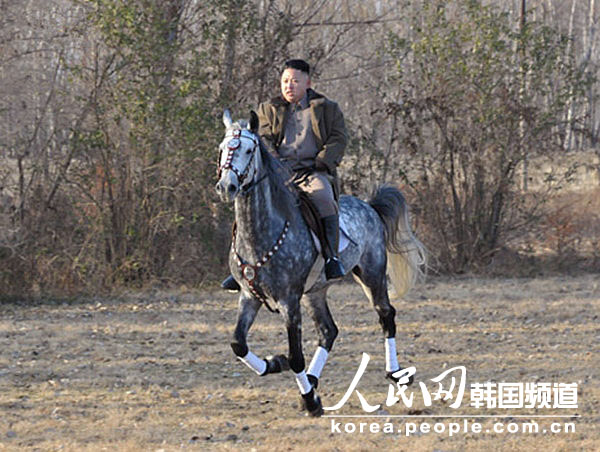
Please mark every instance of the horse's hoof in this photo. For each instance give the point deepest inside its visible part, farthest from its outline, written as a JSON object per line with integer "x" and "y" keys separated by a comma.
{"x": 276, "y": 364}
{"x": 312, "y": 403}
{"x": 314, "y": 381}
{"x": 390, "y": 375}
{"x": 230, "y": 285}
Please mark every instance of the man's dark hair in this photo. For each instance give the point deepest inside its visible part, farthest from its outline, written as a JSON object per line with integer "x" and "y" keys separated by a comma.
{"x": 299, "y": 65}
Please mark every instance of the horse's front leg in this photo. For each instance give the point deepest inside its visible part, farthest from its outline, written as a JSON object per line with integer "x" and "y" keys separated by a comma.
{"x": 247, "y": 310}
{"x": 316, "y": 304}
{"x": 293, "y": 323}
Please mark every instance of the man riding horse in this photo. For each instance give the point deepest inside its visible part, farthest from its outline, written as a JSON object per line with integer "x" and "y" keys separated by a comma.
{"x": 306, "y": 130}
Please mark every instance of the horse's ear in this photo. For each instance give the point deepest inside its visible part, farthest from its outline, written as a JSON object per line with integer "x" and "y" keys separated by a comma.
{"x": 253, "y": 125}
{"x": 227, "y": 119}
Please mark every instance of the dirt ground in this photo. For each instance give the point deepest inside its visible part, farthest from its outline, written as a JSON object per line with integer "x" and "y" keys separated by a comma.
{"x": 154, "y": 371}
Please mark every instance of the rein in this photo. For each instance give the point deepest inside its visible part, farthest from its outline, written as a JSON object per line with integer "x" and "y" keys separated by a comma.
{"x": 246, "y": 189}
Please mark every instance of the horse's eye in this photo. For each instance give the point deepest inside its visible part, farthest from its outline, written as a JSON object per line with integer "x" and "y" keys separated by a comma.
{"x": 249, "y": 151}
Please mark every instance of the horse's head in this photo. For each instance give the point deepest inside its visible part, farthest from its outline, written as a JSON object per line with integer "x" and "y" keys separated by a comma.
{"x": 238, "y": 163}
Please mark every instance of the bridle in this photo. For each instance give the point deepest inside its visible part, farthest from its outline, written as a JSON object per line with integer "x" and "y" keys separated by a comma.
{"x": 236, "y": 136}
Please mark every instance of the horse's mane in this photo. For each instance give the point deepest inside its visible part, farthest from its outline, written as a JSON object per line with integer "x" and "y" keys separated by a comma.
{"x": 284, "y": 191}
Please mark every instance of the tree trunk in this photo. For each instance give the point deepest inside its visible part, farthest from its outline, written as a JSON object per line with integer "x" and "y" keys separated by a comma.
{"x": 523, "y": 88}
{"x": 570, "y": 111}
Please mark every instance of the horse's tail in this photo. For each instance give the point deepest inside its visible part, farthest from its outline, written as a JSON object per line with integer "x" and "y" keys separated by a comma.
{"x": 407, "y": 256}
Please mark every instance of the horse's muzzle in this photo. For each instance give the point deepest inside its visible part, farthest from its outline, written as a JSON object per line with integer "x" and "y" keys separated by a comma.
{"x": 226, "y": 190}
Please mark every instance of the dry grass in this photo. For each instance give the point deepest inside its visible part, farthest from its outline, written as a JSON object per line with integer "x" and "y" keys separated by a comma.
{"x": 155, "y": 371}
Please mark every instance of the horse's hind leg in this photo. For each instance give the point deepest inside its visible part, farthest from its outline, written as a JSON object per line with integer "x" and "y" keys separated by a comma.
{"x": 373, "y": 280}
{"x": 247, "y": 310}
{"x": 316, "y": 304}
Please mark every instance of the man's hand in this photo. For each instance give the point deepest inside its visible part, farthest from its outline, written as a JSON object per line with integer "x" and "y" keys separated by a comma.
{"x": 302, "y": 175}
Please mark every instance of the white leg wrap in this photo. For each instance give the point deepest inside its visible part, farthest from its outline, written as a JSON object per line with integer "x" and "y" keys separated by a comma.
{"x": 318, "y": 362}
{"x": 254, "y": 362}
{"x": 303, "y": 383}
{"x": 391, "y": 360}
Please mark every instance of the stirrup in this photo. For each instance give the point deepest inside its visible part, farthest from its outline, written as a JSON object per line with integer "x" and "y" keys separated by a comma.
{"x": 230, "y": 284}
{"x": 334, "y": 268}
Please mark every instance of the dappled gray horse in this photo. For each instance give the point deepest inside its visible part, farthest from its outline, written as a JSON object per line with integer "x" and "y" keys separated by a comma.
{"x": 273, "y": 252}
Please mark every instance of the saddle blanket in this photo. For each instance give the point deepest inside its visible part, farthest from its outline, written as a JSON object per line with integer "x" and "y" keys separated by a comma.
{"x": 344, "y": 237}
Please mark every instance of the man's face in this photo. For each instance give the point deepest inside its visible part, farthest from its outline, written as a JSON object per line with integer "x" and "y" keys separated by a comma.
{"x": 294, "y": 84}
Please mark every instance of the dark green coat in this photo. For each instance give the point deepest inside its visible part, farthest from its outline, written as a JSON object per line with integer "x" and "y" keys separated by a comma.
{"x": 328, "y": 127}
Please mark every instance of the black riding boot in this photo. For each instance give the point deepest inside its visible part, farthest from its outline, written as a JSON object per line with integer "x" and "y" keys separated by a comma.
{"x": 230, "y": 283}
{"x": 333, "y": 266}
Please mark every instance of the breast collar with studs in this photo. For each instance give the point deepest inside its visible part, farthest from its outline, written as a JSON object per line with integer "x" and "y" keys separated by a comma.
{"x": 250, "y": 272}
